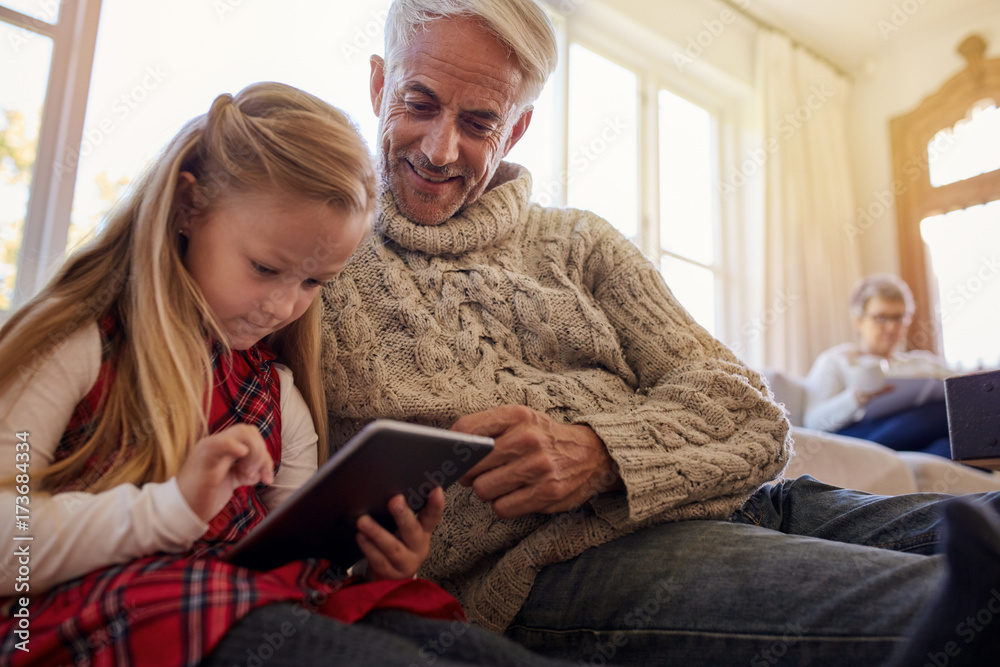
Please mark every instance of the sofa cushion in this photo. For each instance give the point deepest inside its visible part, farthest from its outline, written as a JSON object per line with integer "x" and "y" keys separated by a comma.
{"x": 788, "y": 390}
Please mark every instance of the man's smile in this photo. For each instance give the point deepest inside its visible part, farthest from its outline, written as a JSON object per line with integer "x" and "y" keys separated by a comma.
{"x": 428, "y": 176}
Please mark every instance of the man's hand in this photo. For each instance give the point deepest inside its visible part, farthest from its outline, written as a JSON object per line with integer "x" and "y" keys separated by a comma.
{"x": 537, "y": 464}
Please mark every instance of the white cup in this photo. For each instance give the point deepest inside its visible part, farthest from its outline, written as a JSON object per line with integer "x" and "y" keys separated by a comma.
{"x": 868, "y": 375}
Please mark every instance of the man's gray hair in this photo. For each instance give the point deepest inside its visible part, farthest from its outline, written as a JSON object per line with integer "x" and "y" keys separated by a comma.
{"x": 521, "y": 25}
{"x": 885, "y": 286}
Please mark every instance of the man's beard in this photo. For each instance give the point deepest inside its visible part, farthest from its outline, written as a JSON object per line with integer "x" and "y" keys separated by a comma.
{"x": 392, "y": 177}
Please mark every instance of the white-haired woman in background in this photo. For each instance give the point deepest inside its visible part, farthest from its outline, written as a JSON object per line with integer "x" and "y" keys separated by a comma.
{"x": 845, "y": 378}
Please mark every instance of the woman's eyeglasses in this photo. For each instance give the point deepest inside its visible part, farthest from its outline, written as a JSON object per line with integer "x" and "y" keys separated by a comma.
{"x": 883, "y": 320}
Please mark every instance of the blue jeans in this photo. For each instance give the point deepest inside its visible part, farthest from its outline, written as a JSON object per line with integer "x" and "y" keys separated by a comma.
{"x": 803, "y": 574}
{"x": 923, "y": 428}
{"x": 284, "y": 634}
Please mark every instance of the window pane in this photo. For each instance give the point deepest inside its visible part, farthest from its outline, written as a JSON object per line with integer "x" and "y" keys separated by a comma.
{"x": 687, "y": 147}
{"x": 970, "y": 148}
{"x": 694, "y": 287}
{"x": 536, "y": 150}
{"x": 157, "y": 65}
{"x": 24, "y": 60}
{"x": 603, "y": 166}
{"x": 964, "y": 248}
{"x": 44, "y": 10}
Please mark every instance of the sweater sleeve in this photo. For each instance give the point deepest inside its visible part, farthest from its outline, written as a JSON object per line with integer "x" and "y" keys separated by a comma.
{"x": 298, "y": 443}
{"x": 703, "y": 432}
{"x": 830, "y": 403}
{"x": 76, "y": 533}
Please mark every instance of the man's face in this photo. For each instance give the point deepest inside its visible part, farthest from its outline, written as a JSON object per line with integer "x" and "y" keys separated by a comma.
{"x": 448, "y": 114}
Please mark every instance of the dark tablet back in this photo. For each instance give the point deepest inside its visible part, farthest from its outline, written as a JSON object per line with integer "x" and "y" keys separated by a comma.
{"x": 385, "y": 458}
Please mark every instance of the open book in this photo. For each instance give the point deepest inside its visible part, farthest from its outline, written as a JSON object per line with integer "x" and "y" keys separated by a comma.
{"x": 906, "y": 393}
{"x": 386, "y": 458}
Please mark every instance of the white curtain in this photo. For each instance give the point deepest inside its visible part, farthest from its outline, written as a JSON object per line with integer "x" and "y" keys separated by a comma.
{"x": 811, "y": 261}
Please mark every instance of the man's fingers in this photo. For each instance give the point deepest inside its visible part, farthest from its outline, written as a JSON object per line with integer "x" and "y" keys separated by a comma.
{"x": 494, "y": 459}
{"x": 496, "y": 483}
{"x": 522, "y": 501}
{"x": 490, "y": 422}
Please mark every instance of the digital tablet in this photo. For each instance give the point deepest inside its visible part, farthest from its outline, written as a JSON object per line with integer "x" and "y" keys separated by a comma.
{"x": 386, "y": 458}
{"x": 906, "y": 393}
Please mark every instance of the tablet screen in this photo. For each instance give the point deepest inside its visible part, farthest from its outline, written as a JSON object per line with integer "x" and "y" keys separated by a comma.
{"x": 386, "y": 458}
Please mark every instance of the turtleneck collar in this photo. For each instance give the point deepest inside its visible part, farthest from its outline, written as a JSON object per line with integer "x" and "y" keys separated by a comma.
{"x": 488, "y": 219}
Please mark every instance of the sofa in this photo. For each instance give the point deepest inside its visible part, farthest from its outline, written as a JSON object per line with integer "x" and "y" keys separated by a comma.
{"x": 864, "y": 465}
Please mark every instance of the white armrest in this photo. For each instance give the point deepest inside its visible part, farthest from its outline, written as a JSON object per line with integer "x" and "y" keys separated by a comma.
{"x": 850, "y": 463}
{"x": 939, "y": 475}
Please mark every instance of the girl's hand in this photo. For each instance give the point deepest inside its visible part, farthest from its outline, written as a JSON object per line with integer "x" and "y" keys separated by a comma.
{"x": 220, "y": 464}
{"x": 400, "y": 556}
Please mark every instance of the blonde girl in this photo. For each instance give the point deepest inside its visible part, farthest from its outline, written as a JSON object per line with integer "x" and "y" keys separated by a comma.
{"x": 149, "y": 416}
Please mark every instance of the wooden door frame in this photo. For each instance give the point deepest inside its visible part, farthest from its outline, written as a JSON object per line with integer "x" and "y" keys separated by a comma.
{"x": 916, "y": 199}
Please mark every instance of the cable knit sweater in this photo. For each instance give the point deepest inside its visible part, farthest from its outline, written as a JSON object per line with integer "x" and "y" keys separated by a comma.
{"x": 509, "y": 302}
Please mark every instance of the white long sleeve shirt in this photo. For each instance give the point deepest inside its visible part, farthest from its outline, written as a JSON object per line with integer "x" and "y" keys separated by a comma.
{"x": 77, "y": 532}
{"x": 831, "y": 403}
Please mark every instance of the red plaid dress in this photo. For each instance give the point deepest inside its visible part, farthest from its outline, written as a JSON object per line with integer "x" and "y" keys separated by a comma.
{"x": 172, "y": 609}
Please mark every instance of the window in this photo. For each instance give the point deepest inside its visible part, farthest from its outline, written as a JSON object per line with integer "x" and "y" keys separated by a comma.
{"x": 21, "y": 102}
{"x": 607, "y": 134}
{"x": 964, "y": 249}
{"x": 688, "y": 209}
{"x": 603, "y": 160}
{"x": 47, "y": 49}
{"x": 969, "y": 148}
{"x": 947, "y": 184}
{"x": 148, "y": 82}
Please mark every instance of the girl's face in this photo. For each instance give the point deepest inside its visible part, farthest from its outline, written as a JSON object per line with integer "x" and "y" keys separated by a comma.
{"x": 261, "y": 257}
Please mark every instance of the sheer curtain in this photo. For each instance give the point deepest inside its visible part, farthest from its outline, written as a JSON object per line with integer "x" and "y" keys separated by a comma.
{"x": 810, "y": 259}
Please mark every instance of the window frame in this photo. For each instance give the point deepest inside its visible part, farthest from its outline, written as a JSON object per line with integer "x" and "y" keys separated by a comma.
{"x": 594, "y": 26}
{"x": 617, "y": 38}
{"x": 53, "y": 178}
{"x": 917, "y": 199}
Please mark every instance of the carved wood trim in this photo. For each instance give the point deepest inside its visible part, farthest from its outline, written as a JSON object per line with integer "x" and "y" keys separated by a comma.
{"x": 916, "y": 199}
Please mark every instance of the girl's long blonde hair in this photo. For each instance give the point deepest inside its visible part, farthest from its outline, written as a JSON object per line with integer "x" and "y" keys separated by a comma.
{"x": 269, "y": 136}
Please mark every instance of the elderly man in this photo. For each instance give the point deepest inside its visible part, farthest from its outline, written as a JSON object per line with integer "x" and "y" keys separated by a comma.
{"x": 617, "y": 418}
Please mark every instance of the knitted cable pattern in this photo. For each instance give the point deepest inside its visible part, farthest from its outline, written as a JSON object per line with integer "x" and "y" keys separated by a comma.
{"x": 509, "y": 302}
